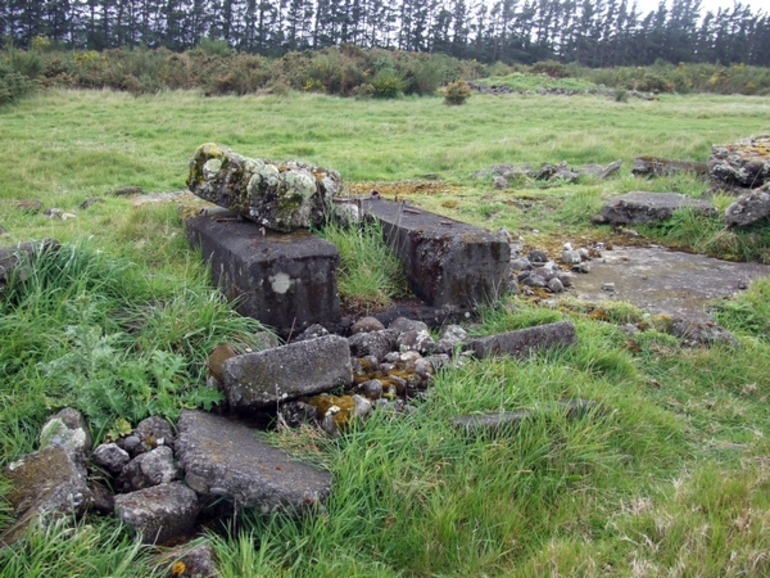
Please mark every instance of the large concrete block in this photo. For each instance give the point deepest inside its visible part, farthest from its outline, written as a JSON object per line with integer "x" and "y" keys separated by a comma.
{"x": 226, "y": 459}
{"x": 644, "y": 208}
{"x": 448, "y": 263}
{"x": 262, "y": 379}
{"x": 524, "y": 342}
{"x": 286, "y": 281}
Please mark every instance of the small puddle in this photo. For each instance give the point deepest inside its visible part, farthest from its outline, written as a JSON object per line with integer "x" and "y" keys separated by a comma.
{"x": 659, "y": 280}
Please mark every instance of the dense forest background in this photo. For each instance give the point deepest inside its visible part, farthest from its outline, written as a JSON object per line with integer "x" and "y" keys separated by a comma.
{"x": 595, "y": 33}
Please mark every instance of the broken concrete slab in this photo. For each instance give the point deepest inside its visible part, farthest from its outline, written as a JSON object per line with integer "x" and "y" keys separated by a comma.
{"x": 494, "y": 423}
{"x": 658, "y": 280}
{"x": 647, "y": 166}
{"x": 644, "y": 208}
{"x": 745, "y": 163}
{"x": 160, "y": 513}
{"x": 286, "y": 281}
{"x": 226, "y": 459}
{"x": 44, "y": 485}
{"x": 524, "y": 342}
{"x": 447, "y": 263}
{"x": 283, "y": 196}
{"x": 262, "y": 379}
{"x": 749, "y": 209}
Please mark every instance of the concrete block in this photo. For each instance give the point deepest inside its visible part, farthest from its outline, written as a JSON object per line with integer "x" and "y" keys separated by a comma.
{"x": 262, "y": 379}
{"x": 286, "y": 281}
{"x": 524, "y": 342}
{"x": 643, "y": 208}
{"x": 226, "y": 459}
{"x": 448, "y": 263}
{"x": 160, "y": 513}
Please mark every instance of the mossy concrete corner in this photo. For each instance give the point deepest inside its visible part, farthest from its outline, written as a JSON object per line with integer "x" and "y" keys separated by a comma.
{"x": 286, "y": 281}
{"x": 448, "y": 263}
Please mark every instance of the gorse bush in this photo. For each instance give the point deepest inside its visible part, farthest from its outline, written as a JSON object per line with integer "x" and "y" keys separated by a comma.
{"x": 457, "y": 92}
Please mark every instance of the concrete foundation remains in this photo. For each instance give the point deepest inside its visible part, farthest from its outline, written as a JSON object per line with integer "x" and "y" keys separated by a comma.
{"x": 448, "y": 263}
{"x": 286, "y": 281}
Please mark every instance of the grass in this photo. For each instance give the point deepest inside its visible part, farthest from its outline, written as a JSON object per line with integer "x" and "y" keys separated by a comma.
{"x": 668, "y": 477}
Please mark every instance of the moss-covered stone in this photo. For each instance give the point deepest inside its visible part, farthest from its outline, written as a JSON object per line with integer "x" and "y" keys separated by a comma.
{"x": 281, "y": 196}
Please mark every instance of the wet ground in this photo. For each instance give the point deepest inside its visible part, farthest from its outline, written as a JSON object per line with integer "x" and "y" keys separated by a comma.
{"x": 659, "y": 280}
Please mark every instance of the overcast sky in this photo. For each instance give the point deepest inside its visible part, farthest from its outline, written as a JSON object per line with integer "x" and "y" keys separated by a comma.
{"x": 756, "y": 6}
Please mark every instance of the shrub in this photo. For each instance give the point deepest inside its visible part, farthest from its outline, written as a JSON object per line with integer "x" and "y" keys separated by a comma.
{"x": 621, "y": 95}
{"x": 551, "y": 68}
{"x": 387, "y": 83}
{"x": 457, "y": 92}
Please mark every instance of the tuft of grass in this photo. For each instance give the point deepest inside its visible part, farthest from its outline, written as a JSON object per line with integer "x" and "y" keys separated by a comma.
{"x": 370, "y": 276}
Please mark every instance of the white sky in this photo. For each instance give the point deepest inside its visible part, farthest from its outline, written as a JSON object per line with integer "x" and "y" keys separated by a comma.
{"x": 756, "y": 6}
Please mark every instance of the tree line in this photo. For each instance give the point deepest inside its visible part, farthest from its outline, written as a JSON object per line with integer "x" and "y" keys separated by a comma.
{"x": 596, "y": 33}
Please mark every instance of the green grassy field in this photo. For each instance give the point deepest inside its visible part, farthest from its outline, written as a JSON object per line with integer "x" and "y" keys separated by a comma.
{"x": 671, "y": 477}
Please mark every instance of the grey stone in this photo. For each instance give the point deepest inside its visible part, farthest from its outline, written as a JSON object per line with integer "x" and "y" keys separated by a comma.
{"x": 531, "y": 279}
{"x": 521, "y": 264}
{"x": 313, "y": 332}
{"x": 366, "y": 325}
{"x": 330, "y": 426}
{"x": 694, "y": 333}
{"x": 495, "y": 423}
{"x": 646, "y": 166}
{"x": 524, "y": 342}
{"x": 376, "y": 343}
{"x": 257, "y": 380}
{"x": 438, "y": 361}
{"x": 155, "y": 431}
{"x": 159, "y": 513}
{"x": 537, "y": 256}
{"x": 416, "y": 340}
{"x": 570, "y": 257}
{"x": 447, "y": 263}
{"x": 371, "y": 388}
{"x": 199, "y": 560}
{"x": 47, "y": 484}
{"x": 67, "y": 428}
{"x": 132, "y": 444}
{"x": 403, "y": 324}
{"x": 282, "y": 196}
{"x": 555, "y": 285}
{"x": 745, "y": 163}
{"x": 149, "y": 469}
{"x": 111, "y": 457}
{"x": 285, "y": 281}
{"x": 643, "y": 208}
{"x": 749, "y": 209}
{"x": 227, "y": 459}
{"x": 363, "y": 406}
{"x": 296, "y": 413}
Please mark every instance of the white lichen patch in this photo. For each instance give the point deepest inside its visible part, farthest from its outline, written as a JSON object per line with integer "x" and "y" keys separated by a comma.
{"x": 211, "y": 168}
{"x": 280, "y": 282}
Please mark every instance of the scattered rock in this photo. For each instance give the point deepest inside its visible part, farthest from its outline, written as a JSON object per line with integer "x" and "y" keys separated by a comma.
{"x": 750, "y": 208}
{"x": 225, "y": 459}
{"x": 647, "y": 166}
{"x": 505, "y": 175}
{"x": 47, "y": 484}
{"x": 111, "y": 457}
{"x": 366, "y": 325}
{"x": 197, "y": 561}
{"x": 280, "y": 196}
{"x": 13, "y": 257}
{"x": 524, "y": 342}
{"x": 495, "y": 423}
{"x": 90, "y": 202}
{"x": 314, "y": 331}
{"x": 376, "y": 343}
{"x": 642, "y": 208}
{"x": 694, "y": 333}
{"x": 745, "y": 163}
{"x": 68, "y": 429}
{"x": 159, "y": 513}
{"x": 262, "y": 379}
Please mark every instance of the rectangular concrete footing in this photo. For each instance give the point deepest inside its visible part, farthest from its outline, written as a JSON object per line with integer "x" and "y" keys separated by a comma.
{"x": 448, "y": 263}
{"x": 285, "y": 280}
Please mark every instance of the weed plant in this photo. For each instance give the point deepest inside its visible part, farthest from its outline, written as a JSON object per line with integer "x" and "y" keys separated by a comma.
{"x": 668, "y": 476}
